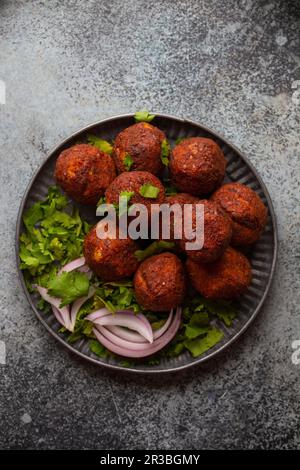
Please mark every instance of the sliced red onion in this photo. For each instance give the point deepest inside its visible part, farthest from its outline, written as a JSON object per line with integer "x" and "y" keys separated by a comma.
{"x": 129, "y": 321}
{"x": 141, "y": 317}
{"x": 120, "y": 341}
{"x": 75, "y": 264}
{"x": 57, "y": 315}
{"x": 77, "y": 306}
{"x": 126, "y": 334}
{"x": 148, "y": 349}
{"x": 55, "y": 302}
{"x": 136, "y": 337}
{"x": 98, "y": 314}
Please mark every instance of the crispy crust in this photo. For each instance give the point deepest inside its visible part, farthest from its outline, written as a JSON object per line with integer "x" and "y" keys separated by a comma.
{"x": 110, "y": 259}
{"x": 142, "y": 142}
{"x": 159, "y": 282}
{"x": 217, "y": 233}
{"x": 84, "y": 172}
{"x": 197, "y": 166}
{"x": 133, "y": 181}
{"x": 226, "y": 278}
{"x": 246, "y": 210}
{"x": 181, "y": 198}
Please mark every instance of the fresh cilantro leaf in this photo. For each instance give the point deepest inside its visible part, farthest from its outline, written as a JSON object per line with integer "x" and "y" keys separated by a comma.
{"x": 101, "y": 301}
{"x": 123, "y": 283}
{"x": 83, "y": 327}
{"x": 125, "y": 198}
{"x": 225, "y": 311}
{"x": 51, "y": 234}
{"x": 170, "y": 191}
{"x": 149, "y": 191}
{"x": 197, "y": 326}
{"x": 69, "y": 286}
{"x": 127, "y": 194}
{"x": 101, "y": 201}
{"x": 173, "y": 350}
{"x": 143, "y": 116}
{"x": 101, "y": 144}
{"x": 155, "y": 248}
{"x": 128, "y": 162}
{"x": 165, "y": 151}
{"x": 158, "y": 324}
{"x": 97, "y": 348}
{"x": 32, "y": 216}
{"x": 201, "y": 344}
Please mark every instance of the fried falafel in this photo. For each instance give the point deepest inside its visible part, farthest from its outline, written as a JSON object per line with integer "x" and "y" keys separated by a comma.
{"x": 84, "y": 172}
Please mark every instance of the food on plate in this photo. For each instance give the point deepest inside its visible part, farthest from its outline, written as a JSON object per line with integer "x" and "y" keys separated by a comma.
{"x": 197, "y": 166}
{"x": 110, "y": 258}
{"x": 159, "y": 282}
{"x": 217, "y": 233}
{"x": 246, "y": 210}
{"x": 139, "y": 147}
{"x": 140, "y": 187}
{"x": 181, "y": 198}
{"x": 84, "y": 172}
{"x": 226, "y": 278}
{"x": 133, "y": 298}
{"x": 176, "y": 219}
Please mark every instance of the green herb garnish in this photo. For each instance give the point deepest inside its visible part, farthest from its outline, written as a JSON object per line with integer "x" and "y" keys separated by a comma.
{"x": 53, "y": 236}
{"x": 97, "y": 348}
{"x": 101, "y": 144}
{"x": 153, "y": 249}
{"x": 201, "y": 344}
{"x": 143, "y": 116}
{"x": 165, "y": 151}
{"x": 128, "y": 161}
{"x": 69, "y": 286}
{"x": 149, "y": 191}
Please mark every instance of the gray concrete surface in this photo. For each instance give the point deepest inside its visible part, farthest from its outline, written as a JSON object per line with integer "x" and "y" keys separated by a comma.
{"x": 232, "y": 65}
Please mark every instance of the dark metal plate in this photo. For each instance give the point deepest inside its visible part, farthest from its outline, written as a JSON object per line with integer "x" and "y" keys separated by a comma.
{"x": 262, "y": 255}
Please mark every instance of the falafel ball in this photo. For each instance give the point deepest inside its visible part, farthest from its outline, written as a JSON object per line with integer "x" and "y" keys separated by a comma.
{"x": 110, "y": 258}
{"x": 134, "y": 182}
{"x": 175, "y": 219}
{"x": 246, "y": 210}
{"x": 226, "y": 278}
{"x": 197, "y": 166}
{"x": 141, "y": 144}
{"x": 159, "y": 282}
{"x": 217, "y": 233}
{"x": 84, "y": 172}
{"x": 181, "y": 198}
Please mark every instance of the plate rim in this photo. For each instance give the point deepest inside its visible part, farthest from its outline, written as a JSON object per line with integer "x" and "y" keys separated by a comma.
{"x": 145, "y": 371}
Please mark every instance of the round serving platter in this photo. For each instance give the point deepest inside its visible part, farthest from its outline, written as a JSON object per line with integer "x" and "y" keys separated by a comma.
{"x": 262, "y": 255}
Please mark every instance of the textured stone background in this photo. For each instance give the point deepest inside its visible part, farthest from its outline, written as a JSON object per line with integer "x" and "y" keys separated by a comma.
{"x": 232, "y": 65}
